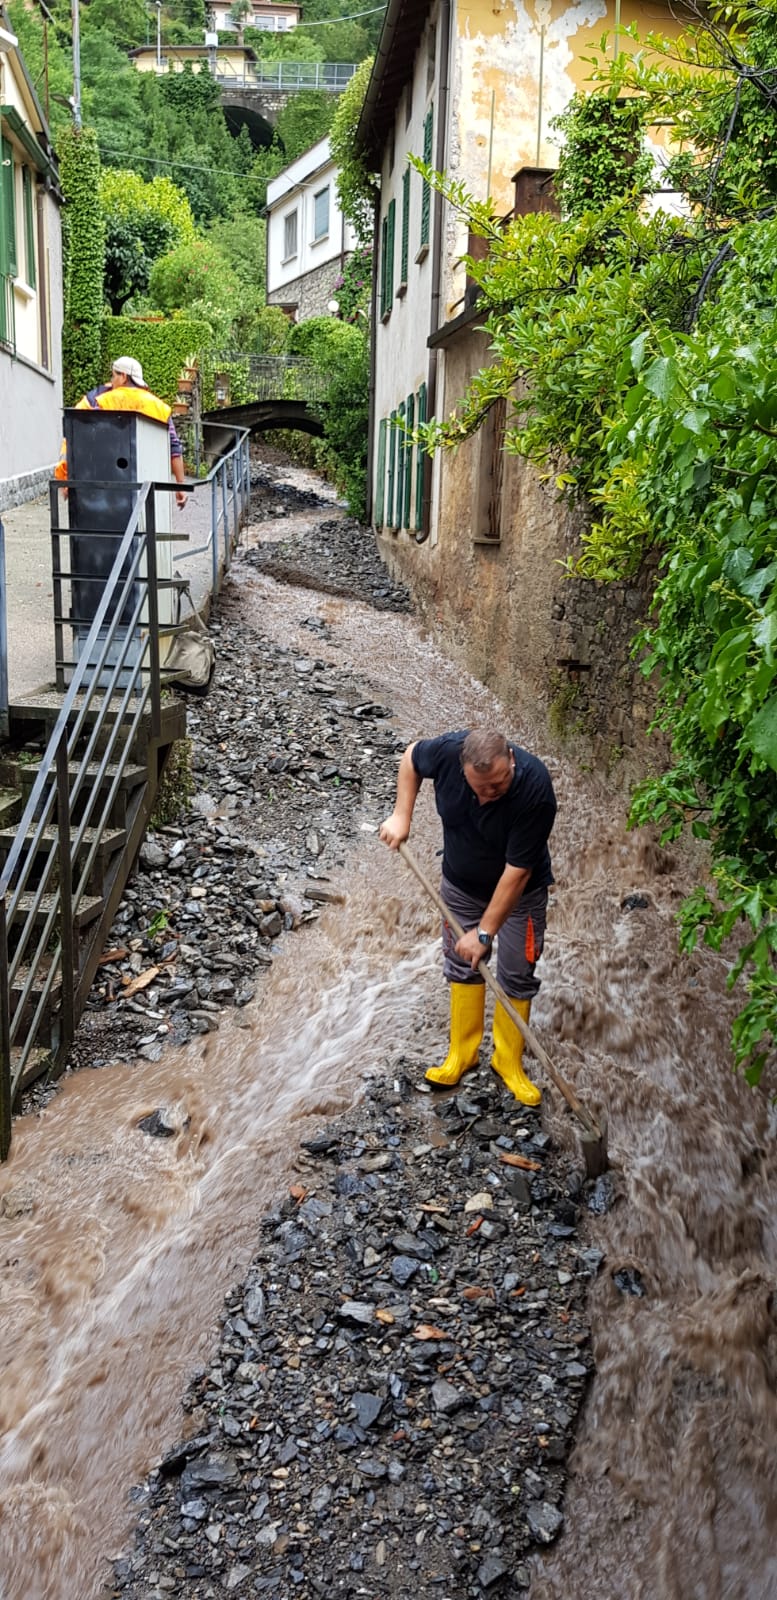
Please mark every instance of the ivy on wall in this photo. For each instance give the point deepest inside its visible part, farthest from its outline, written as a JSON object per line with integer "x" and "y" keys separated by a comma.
{"x": 162, "y": 348}
{"x": 602, "y": 156}
{"x": 79, "y": 166}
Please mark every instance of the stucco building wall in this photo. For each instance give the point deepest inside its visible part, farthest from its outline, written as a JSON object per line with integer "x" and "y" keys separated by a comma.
{"x": 506, "y": 611}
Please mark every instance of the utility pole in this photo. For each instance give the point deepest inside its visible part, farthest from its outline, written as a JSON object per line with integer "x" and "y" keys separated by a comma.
{"x": 76, "y": 64}
{"x": 159, "y": 35}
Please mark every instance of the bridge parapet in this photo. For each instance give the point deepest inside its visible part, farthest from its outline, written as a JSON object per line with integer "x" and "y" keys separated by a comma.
{"x": 233, "y": 378}
{"x": 286, "y": 76}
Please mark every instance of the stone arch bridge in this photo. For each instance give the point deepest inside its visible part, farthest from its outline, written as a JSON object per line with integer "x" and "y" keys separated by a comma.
{"x": 263, "y": 392}
{"x": 254, "y": 96}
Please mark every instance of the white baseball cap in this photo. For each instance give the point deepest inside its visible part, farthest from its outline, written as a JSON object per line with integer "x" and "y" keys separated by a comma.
{"x": 131, "y": 369}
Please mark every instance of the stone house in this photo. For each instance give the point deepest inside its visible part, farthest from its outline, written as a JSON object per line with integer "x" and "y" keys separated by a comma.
{"x": 308, "y": 239}
{"x": 473, "y": 88}
{"x": 30, "y": 286}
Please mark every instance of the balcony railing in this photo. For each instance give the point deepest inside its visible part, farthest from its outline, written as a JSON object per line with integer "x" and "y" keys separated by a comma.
{"x": 285, "y": 76}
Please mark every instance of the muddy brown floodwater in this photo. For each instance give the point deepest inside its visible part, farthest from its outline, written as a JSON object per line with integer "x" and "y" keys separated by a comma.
{"x": 116, "y": 1250}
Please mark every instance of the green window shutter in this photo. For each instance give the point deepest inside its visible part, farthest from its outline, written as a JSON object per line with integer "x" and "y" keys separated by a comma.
{"x": 380, "y": 485}
{"x": 426, "y": 194}
{"x": 29, "y": 226}
{"x": 410, "y": 420}
{"x": 392, "y": 452}
{"x": 401, "y": 452}
{"x": 391, "y": 218}
{"x": 405, "y": 226}
{"x": 420, "y": 461}
{"x": 383, "y": 248}
{"x": 7, "y": 213}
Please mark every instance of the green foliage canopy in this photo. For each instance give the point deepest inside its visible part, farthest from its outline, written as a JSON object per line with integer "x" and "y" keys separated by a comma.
{"x": 142, "y": 222}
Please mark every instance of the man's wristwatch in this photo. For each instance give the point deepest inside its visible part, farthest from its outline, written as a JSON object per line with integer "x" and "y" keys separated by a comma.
{"x": 485, "y": 938}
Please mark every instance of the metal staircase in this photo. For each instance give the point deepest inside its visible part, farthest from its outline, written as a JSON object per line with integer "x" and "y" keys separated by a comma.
{"x": 80, "y": 769}
{"x": 79, "y": 777}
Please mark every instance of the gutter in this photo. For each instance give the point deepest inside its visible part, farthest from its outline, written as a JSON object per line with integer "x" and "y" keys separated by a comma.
{"x": 440, "y": 156}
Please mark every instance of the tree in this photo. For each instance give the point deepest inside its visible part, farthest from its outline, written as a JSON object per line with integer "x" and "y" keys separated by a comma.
{"x": 191, "y": 273}
{"x": 142, "y": 222}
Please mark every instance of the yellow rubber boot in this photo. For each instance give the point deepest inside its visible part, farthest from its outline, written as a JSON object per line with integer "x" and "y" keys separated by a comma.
{"x": 508, "y": 1054}
{"x": 468, "y": 1005}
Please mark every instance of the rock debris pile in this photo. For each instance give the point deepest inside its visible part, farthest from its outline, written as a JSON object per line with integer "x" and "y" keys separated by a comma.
{"x": 291, "y": 757}
{"x": 392, "y": 1399}
{"x": 336, "y": 555}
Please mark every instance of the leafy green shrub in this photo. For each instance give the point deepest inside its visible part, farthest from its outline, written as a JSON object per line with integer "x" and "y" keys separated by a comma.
{"x": 353, "y": 288}
{"x": 271, "y": 332}
{"x": 162, "y": 348}
{"x": 194, "y": 271}
{"x": 346, "y": 421}
{"x": 324, "y": 340}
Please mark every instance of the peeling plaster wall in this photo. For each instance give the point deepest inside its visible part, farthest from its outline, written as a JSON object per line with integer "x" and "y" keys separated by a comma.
{"x": 517, "y": 64}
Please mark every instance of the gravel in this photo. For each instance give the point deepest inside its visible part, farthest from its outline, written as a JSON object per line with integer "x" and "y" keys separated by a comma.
{"x": 390, "y": 1400}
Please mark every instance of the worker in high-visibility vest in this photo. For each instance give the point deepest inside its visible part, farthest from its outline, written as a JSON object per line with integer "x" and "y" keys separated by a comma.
{"x": 128, "y": 391}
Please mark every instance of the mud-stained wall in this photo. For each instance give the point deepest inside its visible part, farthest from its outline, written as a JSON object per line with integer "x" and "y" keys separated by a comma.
{"x": 506, "y": 610}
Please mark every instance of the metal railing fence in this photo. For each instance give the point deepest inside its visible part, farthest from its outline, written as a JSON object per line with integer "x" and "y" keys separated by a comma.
{"x": 229, "y": 485}
{"x": 116, "y": 680}
{"x": 286, "y": 76}
{"x": 49, "y": 847}
{"x": 251, "y": 377}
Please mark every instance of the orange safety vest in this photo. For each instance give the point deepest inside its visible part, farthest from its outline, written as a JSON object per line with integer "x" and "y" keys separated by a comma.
{"x": 125, "y": 398}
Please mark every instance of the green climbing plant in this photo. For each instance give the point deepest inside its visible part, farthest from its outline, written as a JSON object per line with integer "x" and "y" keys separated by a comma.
{"x": 79, "y": 166}
{"x": 357, "y": 184}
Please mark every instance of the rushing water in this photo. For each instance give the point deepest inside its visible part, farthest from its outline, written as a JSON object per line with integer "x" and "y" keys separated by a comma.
{"x": 114, "y": 1267}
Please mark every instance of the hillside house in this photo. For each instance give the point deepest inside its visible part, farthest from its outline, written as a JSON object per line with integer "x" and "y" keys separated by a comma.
{"x": 473, "y": 89}
{"x": 231, "y": 62}
{"x": 30, "y": 286}
{"x": 268, "y": 16}
{"x": 308, "y": 239}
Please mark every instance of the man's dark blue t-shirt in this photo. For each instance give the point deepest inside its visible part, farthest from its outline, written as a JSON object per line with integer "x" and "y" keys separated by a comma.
{"x": 480, "y": 841}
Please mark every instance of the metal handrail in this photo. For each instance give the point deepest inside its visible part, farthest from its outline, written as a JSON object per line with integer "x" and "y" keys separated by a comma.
{"x": 231, "y": 475}
{"x": 286, "y": 76}
{"x": 116, "y": 680}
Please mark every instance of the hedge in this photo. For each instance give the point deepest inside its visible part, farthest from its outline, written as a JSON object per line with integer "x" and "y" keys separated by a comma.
{"x": 79, "y": 165}
{"x": 162, "y": 348}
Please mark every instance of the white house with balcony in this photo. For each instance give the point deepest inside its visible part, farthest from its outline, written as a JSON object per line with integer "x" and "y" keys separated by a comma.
{"x": 30, "y": 286}
{"x": 268, "y": 16}
{"x": 308, "y": 239}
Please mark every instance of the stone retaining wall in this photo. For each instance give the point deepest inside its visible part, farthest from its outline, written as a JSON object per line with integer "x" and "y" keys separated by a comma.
{"x": 311, "y": 292}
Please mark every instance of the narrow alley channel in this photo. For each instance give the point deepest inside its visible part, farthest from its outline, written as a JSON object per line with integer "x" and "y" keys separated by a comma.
{"x": 359, "y": 1338}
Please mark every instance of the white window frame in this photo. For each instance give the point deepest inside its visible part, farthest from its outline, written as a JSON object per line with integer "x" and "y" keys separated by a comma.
{"x": 290, "y": 255}
{"x": 319, "y": 237}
